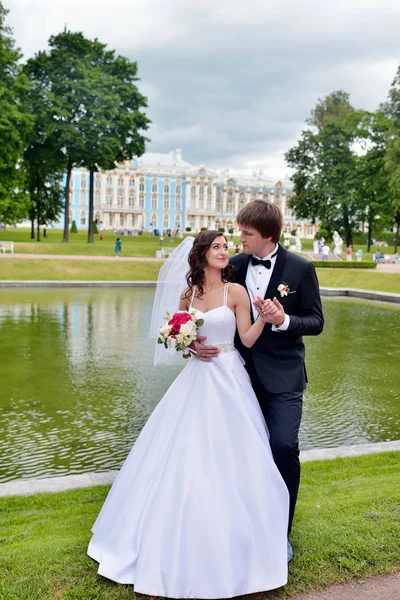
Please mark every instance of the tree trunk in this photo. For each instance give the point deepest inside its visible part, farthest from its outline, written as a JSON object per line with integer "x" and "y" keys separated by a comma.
{"x": 38, "y": 227}
{"x": 66, "y": 205}
{"x": 347, "y": 227}
{"x": 396, "y": 237}
{"x": 32, "y": 228}
{"x": 91, "y": 194}
{"x": 370, "y": 222}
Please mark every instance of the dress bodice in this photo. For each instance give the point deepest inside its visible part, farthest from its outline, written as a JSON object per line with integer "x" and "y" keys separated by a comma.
{"x": 219, "y": 323}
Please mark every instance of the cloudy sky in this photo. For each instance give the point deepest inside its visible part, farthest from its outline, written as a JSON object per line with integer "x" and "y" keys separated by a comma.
{"x": 231, "y": 82}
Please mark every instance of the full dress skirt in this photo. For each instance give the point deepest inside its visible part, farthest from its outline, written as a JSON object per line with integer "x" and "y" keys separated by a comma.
{"x": 199, "y": 509}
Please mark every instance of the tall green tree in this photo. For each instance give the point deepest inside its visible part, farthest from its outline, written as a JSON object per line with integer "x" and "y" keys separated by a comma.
{"x": 15, "y": 126}
{"x": 95, "y": 104}
{"x": 372, "y": 188}
{"x": 324, "y": 166}
{"x": 392, "y": 158}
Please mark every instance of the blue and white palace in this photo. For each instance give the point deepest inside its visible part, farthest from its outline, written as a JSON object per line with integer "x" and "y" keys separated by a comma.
{"x": 162, "y": 191}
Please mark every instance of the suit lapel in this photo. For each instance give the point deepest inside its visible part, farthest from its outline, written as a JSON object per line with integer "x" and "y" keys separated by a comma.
{"x": 277, "y": 273}
{"x": 242, "y": 271}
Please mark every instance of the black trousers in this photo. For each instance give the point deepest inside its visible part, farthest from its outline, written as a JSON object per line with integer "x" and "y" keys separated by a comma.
{"x": 282, "y": 413}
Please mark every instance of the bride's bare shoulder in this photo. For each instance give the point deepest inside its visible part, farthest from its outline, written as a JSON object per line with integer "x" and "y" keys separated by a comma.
{"x": 237, "y": 290}
{"x": 185, "y": 294}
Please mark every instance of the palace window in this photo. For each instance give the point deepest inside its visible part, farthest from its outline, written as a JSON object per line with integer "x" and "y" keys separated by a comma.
{"x": 131, "y": 201}
{"x": 166, "y": 222}
{"x": 97, "y": 198}
{"x": 241, "y": 204}
{"x": 288, "y": 228}
{"x": 131, "y": 182}
{"x": 166, "y": 189}
{"x": 120, "y": 200}
{"x": 218, "y": 206}
{"x": 120, "y": 181}
{"x": 201, "y": 191}
{"x": 70, "y": 217}
{"x": 310, "y": 230}
{"x": 177, "y": 222}
{"x": 277, "y": 198}
{"x": 121, "y": 220}
{"x": 154, "y": 187}
{"x": 178, "y": 189}
{"x": 109, "y": 180}
{"x": 141, "y": 187}
{"x": 242, "y": 195}
{"x": 83, "y": 182}
{"x": 83, "y": 218}
{"x": 141, "y": 201}
{"x": 254, "y": 195}
{"x": 209, "y": 191}
{"x": 154, "y": 202}
{"x": 111, "y": 219}
{"x": 230, "y": 194}
{"x": 109, "y": 200}
{"x": 265, "y": 196}
{"x": 166, "y": 203}
{"x": 288, "y": 212}
{"x": 177, "y": 203}
{"x": 208, "y": 203}
{"x": 97, "y": 183}
{"x": 83, "y": 197}
{"x": 229, "y": 206}
{"x": 201, "y": 203}
{"x": 193, "y": 190}
{"x": 153, "y": 222}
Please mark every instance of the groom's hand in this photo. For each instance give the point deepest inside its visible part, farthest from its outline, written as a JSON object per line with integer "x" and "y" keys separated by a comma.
{"x": 205, "y": 353}
{"x": 273, "y": 312}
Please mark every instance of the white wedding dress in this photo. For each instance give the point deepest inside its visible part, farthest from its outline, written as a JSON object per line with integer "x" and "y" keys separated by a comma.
{"x": 199, "y": 509}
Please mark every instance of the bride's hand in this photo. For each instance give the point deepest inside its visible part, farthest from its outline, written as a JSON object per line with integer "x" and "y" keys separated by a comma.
{"x": 204, "y": 353}
{"x": 258, "y": 305}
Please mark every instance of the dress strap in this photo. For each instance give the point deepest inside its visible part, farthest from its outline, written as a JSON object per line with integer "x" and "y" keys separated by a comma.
{"x": 226, "y": 294}
{"x": 193, "y": 293}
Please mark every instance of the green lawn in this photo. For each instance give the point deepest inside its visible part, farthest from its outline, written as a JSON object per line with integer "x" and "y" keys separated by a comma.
{"x": 78, "y": 270}
{"x": 145, "y": 245}
{"x": 362, "y": 280}
{"x": 347, "y": 525}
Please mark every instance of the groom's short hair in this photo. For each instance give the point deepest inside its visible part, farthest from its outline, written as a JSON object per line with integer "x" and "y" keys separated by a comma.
{"x": 263, "y": 216}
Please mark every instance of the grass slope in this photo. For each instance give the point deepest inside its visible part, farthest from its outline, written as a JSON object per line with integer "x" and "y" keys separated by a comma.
{"x": 347, "y": 525}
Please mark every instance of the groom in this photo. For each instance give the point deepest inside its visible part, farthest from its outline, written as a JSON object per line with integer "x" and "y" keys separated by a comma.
{"x": 284, "y": 288}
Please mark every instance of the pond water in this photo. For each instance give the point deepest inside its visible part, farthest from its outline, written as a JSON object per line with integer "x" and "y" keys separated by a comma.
{"x": 77, "y": 381}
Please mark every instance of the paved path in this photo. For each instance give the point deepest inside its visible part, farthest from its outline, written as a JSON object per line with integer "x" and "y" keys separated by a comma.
{"x": 385, "y": 587}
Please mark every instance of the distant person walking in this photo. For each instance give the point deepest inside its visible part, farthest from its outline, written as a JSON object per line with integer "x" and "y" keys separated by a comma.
{"x": 118, "y": 247}
{"x": 325, "y": 252}
{"x": 349, "y": 251}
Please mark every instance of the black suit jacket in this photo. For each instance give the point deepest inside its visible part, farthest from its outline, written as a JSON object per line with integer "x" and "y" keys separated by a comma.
{"x": 278, "y": 356}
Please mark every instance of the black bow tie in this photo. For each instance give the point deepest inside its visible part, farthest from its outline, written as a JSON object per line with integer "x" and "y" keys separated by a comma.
{"x": 257, "y": 261}
{"x": 265, "y": 263}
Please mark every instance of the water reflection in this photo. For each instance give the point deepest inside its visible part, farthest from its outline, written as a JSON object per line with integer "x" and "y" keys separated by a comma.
{"x": 77, "y": 381}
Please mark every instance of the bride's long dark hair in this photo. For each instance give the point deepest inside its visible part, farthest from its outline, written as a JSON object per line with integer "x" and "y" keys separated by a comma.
{"x": 198, "y": 262}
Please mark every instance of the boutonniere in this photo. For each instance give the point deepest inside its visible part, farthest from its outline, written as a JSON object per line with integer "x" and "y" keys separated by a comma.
{"x": 284, "y": 289}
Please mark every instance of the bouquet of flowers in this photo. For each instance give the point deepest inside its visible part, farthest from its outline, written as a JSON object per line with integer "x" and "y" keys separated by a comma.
{"x": 179, "y": 331}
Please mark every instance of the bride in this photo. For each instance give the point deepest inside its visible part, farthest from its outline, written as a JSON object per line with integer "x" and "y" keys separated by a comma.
{"x": 199, "y": 509}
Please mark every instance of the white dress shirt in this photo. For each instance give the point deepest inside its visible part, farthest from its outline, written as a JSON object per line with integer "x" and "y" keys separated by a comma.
{"x": 257, "y": 281}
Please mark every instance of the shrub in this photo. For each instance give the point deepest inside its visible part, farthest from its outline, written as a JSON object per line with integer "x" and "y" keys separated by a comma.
{"x": 321, "y": 233}
{"x": 188, "y": 229}
{"x": 95, "y": 230}
{"x": 203, "y": 229}
{"x": 230, "y": 230}
{"x": 293, "y": 232}
{"x": 341, "y": 264}
{"x": 74, "y": 228}
{"x": 221, "y": 229}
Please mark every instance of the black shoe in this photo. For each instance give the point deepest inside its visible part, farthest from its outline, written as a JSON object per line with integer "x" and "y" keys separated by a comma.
{"x": 290, "y": 551}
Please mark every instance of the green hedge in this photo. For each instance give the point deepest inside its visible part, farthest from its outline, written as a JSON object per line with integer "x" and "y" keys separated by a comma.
{"x": 339, "y": 264}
